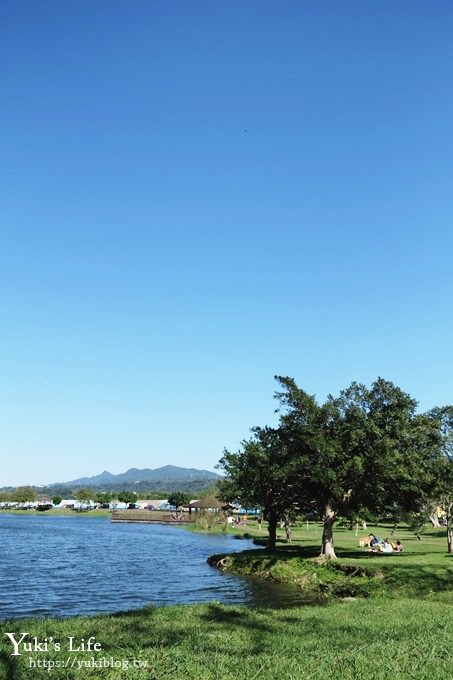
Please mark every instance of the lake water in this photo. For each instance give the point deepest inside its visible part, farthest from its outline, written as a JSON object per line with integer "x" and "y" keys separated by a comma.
{"x": 66, "y": 566}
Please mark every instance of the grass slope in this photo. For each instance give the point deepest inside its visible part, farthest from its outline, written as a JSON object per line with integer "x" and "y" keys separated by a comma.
{"x": 360, "y": 639}
{"x": 423, "y": 569}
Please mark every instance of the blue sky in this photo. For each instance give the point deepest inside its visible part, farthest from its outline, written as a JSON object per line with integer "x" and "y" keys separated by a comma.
{"x": 197, "y": 196}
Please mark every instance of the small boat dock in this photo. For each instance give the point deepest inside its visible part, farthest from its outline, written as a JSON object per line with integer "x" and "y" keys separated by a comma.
{"x": 151, "y": 517}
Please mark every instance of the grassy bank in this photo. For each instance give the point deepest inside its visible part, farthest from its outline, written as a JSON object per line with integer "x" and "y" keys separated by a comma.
{"x": 423, "y": 569}
{"x": 406, "y": 638}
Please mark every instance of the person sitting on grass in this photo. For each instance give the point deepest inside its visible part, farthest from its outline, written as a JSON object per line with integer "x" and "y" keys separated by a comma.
{"x": 375, "y": 544}
{"x": 374, "y": 541}
{"x": 385, "y": 546}
{"x": 397, "y": 547}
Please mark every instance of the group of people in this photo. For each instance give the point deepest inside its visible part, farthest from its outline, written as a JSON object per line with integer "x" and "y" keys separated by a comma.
{"x": 237, "y": 521}
{"x": 382, "y": 545}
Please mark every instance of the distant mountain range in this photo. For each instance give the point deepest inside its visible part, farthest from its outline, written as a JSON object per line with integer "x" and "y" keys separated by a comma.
{"x": 167, "y": 477}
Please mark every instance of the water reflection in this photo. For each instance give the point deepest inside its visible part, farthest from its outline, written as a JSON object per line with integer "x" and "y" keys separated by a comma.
{"x": 65, "y": 566}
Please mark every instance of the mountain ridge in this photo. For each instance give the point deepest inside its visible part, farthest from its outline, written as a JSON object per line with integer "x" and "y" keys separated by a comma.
{"x": 161, "y": 475}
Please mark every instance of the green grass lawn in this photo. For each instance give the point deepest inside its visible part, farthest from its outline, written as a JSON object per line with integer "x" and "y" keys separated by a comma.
{"x": 423, "y": 569}
{"x": 399, "y": 627}
{"x": 406, "y": 638}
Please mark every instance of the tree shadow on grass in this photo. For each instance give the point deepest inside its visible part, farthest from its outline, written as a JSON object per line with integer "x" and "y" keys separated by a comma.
{"x": 232, "y": 616}
{"x": 435, "y": 533}
{"x": 286, "y": 551}
{"x": 244, "y": 621}
{"x": 159, "y": 636}
{"x": 9, "y": 669}
{"x": 423, "y": 578}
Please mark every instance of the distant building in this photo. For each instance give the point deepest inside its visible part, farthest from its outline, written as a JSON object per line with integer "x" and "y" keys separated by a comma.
{"x": 149, "y": 504}
{"x": 44, "y": 500}
{"x": 44, "y": 503}
{"x": 67, "y": 503}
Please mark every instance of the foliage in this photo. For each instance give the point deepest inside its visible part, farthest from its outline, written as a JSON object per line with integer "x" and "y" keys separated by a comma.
{"x": 83, "y": 494}
{"x": 127, "y": 497}
{"x": 156, "y": 489}
{"x": 24, "y": 494}
{"x": 442, "y": 491}
{"x": 178, "y": 499}
{"x": 364, "y": 450}
{"x": 361, "y": 452}
{"x": 416, "y": 522}
{"x": 213, "y": 522}
{"x": 210, "y": 501}
{"x": 259, "y": 475}
{"x": 103, "y": 497}
{"x": 211, "y": 491}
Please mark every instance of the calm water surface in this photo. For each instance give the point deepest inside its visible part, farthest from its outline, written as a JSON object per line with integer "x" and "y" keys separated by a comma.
{"x": 64, "y": 566}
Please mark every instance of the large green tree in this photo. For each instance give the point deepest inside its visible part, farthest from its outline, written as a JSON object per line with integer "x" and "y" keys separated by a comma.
{"x": 127, "y": 497}
{"x": 441, "y": 494}
{"x": 178, "y": 499}
{"x": 84, "y": 496}
{"x": 399, "y": 451}
{"x": 261, "y": 474}
{"x": 364, "y": 450}
{"x": 24, "y": 494}
{"x": 103, "y": 497}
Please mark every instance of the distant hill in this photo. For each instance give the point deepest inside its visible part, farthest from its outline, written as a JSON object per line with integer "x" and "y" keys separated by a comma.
{"x": 168, "y": 477}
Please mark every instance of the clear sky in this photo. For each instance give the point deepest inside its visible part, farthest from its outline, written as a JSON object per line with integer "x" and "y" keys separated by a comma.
{"x": 198, "y": 195}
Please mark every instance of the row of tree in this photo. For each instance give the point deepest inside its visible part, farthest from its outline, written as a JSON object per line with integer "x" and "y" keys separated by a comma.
{"x": 27, "y": 494}
{"x": 367, "y": 450}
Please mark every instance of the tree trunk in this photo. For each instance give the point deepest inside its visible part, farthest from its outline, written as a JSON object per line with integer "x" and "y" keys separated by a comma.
{"x": 288, "y": 528}
{"x": 272, "y": 530}
{"x": 327, "y": 549}
{"x": 434, "y": 520}
{"x": 450, "y": 528}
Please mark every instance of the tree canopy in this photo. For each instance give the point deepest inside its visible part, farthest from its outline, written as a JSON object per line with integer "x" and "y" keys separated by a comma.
{"x": 441, "y": 494}
{"x": 127, "y": 497}
{"x": 178, "y": 499}
{"x": 24, "y": 494}
{"x": 366, "y": 449}
{"x": 260, "y": 475}
{"x": 83, "y": 494}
